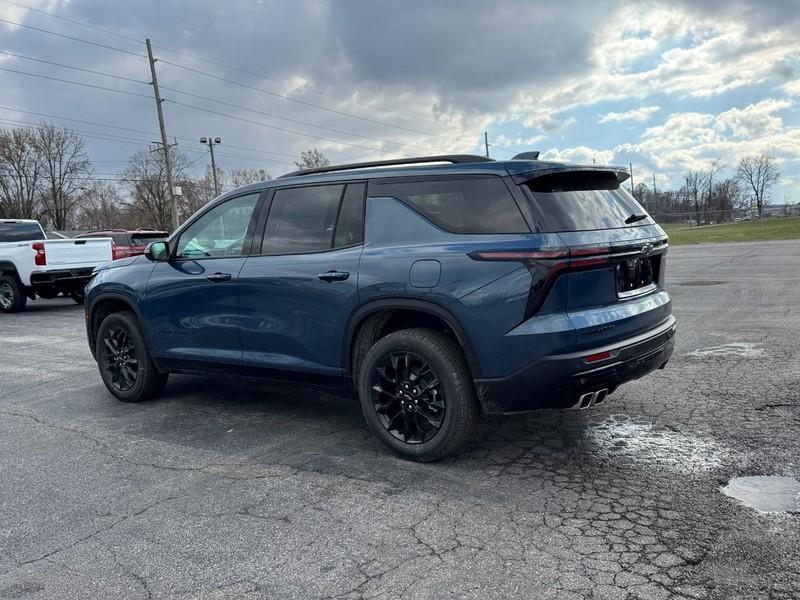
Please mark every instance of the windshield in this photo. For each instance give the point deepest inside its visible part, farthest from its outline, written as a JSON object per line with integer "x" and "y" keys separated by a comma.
{"x": 582, "y": 201}
{"x": 11, "y": 231}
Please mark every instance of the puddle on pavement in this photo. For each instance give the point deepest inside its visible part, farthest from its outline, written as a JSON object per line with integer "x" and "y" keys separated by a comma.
{"x": 618, "y": 436}
{"x": 765, "y": 493}
{"x": 740, "y": 349}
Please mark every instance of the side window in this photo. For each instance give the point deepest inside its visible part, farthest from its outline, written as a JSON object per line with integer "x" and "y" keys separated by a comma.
{"x": 466, "y": 205}
{"x": 302, "y": 219}
{"x": 350, "y": 225}
{"x": 220, "y": 231}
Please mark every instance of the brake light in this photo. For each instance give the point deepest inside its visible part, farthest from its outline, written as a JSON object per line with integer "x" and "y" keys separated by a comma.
{"x": 40, "y": 260}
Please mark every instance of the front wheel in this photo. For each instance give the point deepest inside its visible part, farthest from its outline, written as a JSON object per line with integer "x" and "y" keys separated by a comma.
{"x": 416, "y": 394}
{"x": 12, "y": 296}
{"x": 124, "y": 360}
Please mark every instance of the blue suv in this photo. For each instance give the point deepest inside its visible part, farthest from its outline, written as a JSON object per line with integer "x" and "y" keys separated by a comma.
{"x": 435, "y": 289}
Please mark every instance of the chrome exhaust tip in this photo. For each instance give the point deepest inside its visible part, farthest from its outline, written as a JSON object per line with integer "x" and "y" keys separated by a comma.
{"x": 600, "y": 395}
{"x": 589, "y": 399}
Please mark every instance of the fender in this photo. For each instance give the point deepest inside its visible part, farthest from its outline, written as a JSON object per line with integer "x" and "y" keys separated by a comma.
{"x": 115, "y": 295}
{"x": 427, "y": 306}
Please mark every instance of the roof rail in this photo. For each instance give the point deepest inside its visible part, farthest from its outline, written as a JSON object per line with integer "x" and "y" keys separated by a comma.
{"x": 451, "y": 158}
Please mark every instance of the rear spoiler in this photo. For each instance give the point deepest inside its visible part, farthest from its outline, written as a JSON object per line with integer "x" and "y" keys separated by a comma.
{"x": 620, "y": 173}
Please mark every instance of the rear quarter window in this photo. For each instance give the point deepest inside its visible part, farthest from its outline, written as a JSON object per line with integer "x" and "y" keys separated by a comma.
{"x": 463, "y": 205}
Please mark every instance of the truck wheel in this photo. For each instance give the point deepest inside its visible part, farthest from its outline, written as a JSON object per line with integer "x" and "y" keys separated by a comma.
{"x": 124, "y": 360}
{"x": 12, "y": 297}
{"x": 416, "y": 394}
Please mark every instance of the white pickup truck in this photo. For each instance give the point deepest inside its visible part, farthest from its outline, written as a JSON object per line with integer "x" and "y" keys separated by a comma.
{"x": 32, "y": 266}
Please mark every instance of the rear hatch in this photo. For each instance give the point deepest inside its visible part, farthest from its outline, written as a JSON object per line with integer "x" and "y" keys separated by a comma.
{"x": 615, "y": 279}
{"x": 75, "y": 253}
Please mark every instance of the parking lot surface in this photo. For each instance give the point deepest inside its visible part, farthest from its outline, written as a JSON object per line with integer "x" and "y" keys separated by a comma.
{"x": 234, "y": 489}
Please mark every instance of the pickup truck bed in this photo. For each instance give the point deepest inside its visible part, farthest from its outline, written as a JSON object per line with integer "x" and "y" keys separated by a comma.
{"x": 38, "y": 267}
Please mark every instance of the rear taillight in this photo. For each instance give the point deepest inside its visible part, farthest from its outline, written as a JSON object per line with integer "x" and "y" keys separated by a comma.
{"x": 40, "y": 260}
{"x": 546, "y": 264}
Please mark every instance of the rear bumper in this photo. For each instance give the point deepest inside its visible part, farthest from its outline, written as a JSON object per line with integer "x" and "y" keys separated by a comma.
{"x": 63, "y": 278}
{"x": 558, "y": 381}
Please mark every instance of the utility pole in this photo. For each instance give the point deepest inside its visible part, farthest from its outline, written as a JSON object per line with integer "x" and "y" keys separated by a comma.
{"x": 654, "y": 185}
{"x": 630, "y": 164}
{"x": 210, "y": 142}
{"x": 486, "y": 142}
{"x": 164, "y": 143}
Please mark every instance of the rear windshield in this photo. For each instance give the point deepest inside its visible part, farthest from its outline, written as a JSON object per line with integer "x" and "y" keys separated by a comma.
{"x": 582, "y": 201}
{"x": 142, "y": 239}
{"x": 20, "y": 232}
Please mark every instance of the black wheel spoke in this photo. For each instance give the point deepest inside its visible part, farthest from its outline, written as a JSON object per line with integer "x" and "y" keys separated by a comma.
{"x": 119, "y": 359}
{"x": 407, "y": 397}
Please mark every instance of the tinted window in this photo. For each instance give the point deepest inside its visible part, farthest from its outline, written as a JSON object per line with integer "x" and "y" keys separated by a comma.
{"x": 20, "y": 232}
{"x": 142, "y": 239}
{"x": 466, "y": 205}
{"x": 302, "y": 219}
{"x": 350, "y": 225}
{"x": 584, "y": 201}
{"x": 220, "y": 231}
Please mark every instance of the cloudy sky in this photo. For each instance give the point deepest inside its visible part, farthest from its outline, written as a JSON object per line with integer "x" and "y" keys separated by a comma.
{"x": 668, "y": 86}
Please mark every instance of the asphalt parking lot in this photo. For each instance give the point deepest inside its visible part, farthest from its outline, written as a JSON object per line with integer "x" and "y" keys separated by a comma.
{"x": 231, "y": 489}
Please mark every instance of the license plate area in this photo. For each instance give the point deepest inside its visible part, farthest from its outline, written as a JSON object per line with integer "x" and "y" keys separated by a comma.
{"x": 636, "y": 275}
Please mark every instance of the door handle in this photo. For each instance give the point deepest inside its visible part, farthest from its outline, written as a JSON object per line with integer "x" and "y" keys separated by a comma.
{"x": 334, "y": 276}
{"x": 219, "y": 277}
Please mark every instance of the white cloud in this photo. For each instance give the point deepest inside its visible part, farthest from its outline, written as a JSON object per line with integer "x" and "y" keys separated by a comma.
{"x": 638, "y": 115}
{"x": 754, "y": 120}
{"x": 792, "y": 88}
{"x": 503, "y": 141}
{"x": 579, "y": 154}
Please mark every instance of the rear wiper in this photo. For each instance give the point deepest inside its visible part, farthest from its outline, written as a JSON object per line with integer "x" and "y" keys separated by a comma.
{"x": 633, "y": 218}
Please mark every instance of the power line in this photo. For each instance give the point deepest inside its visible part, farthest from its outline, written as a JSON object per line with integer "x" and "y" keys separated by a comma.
{"x": 80, "y": 83}
{"x": 274, "y": 116}
{"x": 149, "y": 133}
{"x": 220, "y": 64}
{"x": 74, "y": 68}
{"x": 306, "y": 103}
{"x": 283, "y": 129}
{"x": 73, "y": 21}
{"x": 198, "y": 96}
{"x": 70, "y": 37}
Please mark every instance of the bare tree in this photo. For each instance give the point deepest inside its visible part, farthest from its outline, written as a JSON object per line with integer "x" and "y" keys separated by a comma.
{"x": 758, "y": 174}
{"x": 66, "y": 167}
{"x": 240, "y": 177}
{"x": 150, "y": 205}
{"x": 693, "y": 190}
{"x": 100, "y": 206}
{"x": 310, "y": 159}
{"x": 199, "y": 192}
{"x": 21, "y": 172}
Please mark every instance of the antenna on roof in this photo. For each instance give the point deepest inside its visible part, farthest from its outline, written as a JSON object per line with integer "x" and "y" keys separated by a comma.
{"x": 533, "y": 155}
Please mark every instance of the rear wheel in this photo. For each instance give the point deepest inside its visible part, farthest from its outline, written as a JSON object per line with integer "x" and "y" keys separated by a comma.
{"x": 124, "y": 360}
{"x": 417, "y": 396}
{"x": 12, "y": 297}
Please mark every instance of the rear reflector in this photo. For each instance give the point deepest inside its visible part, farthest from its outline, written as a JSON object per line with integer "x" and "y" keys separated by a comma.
{"x": 599, "y": 356}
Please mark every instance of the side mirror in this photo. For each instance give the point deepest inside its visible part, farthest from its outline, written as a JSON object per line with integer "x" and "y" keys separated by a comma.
{"x": 157, "y": 251}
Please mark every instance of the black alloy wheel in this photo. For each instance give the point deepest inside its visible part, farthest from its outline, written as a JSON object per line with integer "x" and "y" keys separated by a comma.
{"x": 408, "y": 397}
{"x": 119, "y": 358}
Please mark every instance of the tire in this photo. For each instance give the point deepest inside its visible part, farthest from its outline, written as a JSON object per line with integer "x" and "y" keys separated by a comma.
{"x": 124, "y": 360}
{"x": 78, "y": 296}
{"x": 12, "y": 296}
{"x": 403, "y": 407}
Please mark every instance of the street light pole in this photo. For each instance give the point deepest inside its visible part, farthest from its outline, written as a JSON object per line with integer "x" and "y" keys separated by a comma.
{"x": 211, "y": 142}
